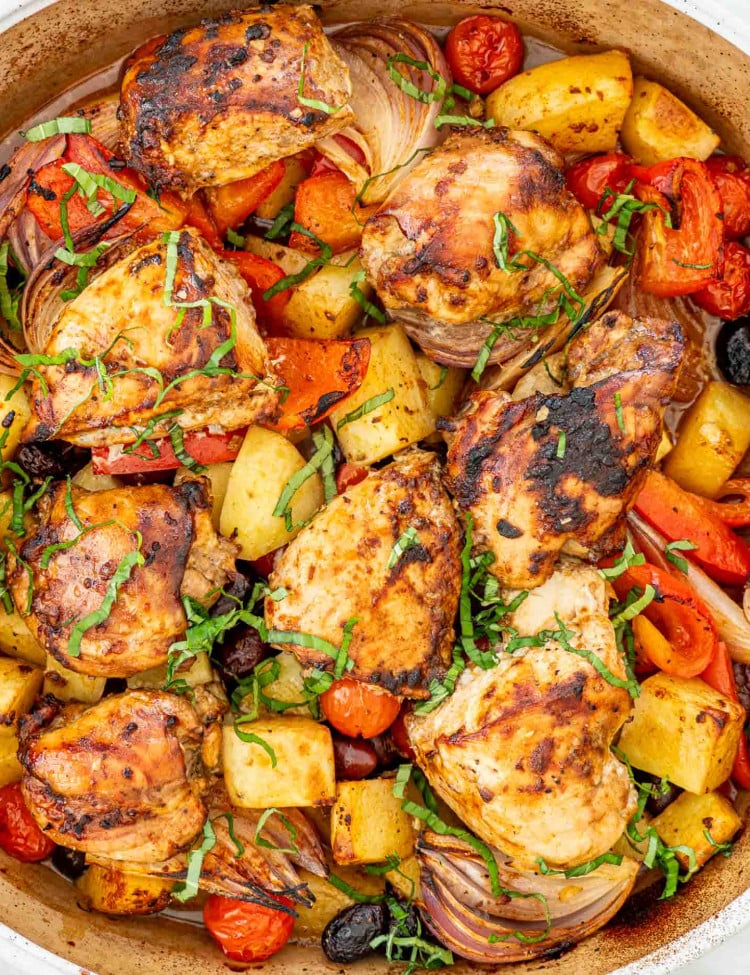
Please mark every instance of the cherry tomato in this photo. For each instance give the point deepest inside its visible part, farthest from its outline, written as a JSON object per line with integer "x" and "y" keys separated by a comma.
{"x": 729, "y": 297}
{"x": 358, "y": 710}
{"x": 264, "y": 565}
{"x": 733, "y": 182}
{"x": 483, "y": 52}
{"x": 588, "y": 179}
{"x": 348, "y": 475}
{"x": 245, "y": 931}
{"x": 19, "y": 834}
{"x": 400, "y": 738}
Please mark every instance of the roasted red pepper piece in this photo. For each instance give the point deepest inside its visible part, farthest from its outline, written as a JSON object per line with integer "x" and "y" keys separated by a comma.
{"x": 232, "y": 204}
{"x": 733, "y": 183}
{"x": 260, "y": 274}
{"x": 729, "y": 297}
{"x": 720, "y": 675}
{"x": 325, "y": 206}
{"x": 202, "y": 445}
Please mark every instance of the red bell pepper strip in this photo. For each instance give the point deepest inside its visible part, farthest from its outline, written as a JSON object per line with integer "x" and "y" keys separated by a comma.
{"x": 729, "y": 297}
{"x": 734, "y": 512}
{"x": 733, "y": 183}
{"x": 233, "y": 203}
{"x": 319, "y": 375}
{"x": 260, "y": 274}
{"x": 686, "y": 257}
{"x": 199, "y": 217}
{"x": 158, "y": 455}
{"x": 720, "y": 675}
{"x": 678, "y": 614}
{"x": 678, "y": 515}
{"x": 588, "y": 179}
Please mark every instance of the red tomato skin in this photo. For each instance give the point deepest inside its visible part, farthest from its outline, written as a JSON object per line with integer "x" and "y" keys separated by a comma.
{"x": 483, "y": 52}
{"x": 348, "y": 475}
{"x": 357, "y": 709}
{"x": 588, "y": 179}
{"x": 729, "y": 297}
{"x": 247, "y": 932}
{"x": 733, "y": 183}
{"x": 399, "y": 736}
{"x": 20, "y": 836}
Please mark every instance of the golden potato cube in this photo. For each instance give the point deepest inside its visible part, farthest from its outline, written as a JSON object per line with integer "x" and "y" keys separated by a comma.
{"x": 303, "y": 773}
{"x": 289, "y": 260}
{"x": 19, "y": 685}
{"x": 218, "y": 476}
{"x": 443, "y": 385}
{"x": 712, "y": 439}
{"x": 89, "y": 481}
{"x": 264, "y": 465}
{"x": 330, "y": 901}
{"x": 636, "y": 850}
{"x": 19, "y": 409}
{"x": 403, "y": 419}
{"x": 11, "y": 769}
{"x": 323, "y": 307}
{"x": 658, "y": 126}
{"x": 199, "y": 671}
{"x": 294, "y": 172}
{"x": 287, "y": 686}
{"x": 113, "y": 891}
{"x": 368, "y": 824}
{"x": 405, "y": 879}
{"x": 686, "y": 821}
{"x": 17, "y": 640}
{"x": 576, "y": 103}
{"x": 684, "y": 730}
{"x": 67, "y": 685}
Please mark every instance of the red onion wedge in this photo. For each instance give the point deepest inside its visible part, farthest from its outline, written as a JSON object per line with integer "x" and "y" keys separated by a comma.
{"x": 394, "y": 124}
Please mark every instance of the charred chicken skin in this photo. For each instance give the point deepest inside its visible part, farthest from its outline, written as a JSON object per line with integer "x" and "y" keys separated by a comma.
{"x": 121, "y": 779}
{"x": 429, "y": 249}
{"x": 219, "y": 102}
{"x": 128, "y": 323}
{"x": 343, "y": 568}
{"x": 67, "y": 566}
{"x": 556, "y": 472}
{"x": 521, "y": 752}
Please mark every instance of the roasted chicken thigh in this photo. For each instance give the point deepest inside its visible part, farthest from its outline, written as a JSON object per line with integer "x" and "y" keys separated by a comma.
{"x": 557, "y": 471}
{"x": 67, "y": 571}
{"x": 430, "y": 249}
{"x": 521, "y": 752}
{"x": 399, "y": 600}
{"x": 116, "y": 348}
{"x": 218, "y": 102}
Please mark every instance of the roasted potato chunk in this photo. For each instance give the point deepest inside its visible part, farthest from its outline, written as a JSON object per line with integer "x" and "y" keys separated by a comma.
{"x": 11, "y": 769}
{"x": 684, "y": 730}
{"x": 113, "y": 891}
{"x": 368, "y": 823}
{"x": 67, "y": 685}
{"x": 658, "y": 126}
{"x": 290, "y": 763}
{"x": 17, "y": 640}
{"x": 19, "y": 685}
{"x": 329, "y": 900}
{"x": 702, "y": 823}
{"x": 323, "y": 306}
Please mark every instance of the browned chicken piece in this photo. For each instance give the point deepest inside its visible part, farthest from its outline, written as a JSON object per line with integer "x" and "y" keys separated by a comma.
{"x": 343, "y": 567}
{"x": 521, "y": 752}
{"x": 125, "y": 321}
{"x": 429, "y": 249}
{"x": 216, "y": 103}
{"x": 66, "y": 573}
{"x": 554, "y": 473}
{"x": 121, "y": 779}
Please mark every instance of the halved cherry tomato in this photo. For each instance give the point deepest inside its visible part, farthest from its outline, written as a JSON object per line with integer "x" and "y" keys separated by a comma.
{"x": 678, "y": 614}
{"x": 678, "y": 514}
{"x": 483, "y": 52}
{"x": 662, "y": 176}
{"x": 233, "y": 203}
{"x": 20, "y": 836}
{"x": 720, "y": 675}
{"x": 260, "y": 274}
{"x": 324, "y": 206}
{"x": 399, "y": 737}
{"x": 245, "y": 931}
{"x": 319, "y": 375}
{"x": 735, "y": 510}
{"x": 348, "y": 475}
{"x": 198, "y": 216}
{"x": 588, "y": 179}
{"x": 729, "y": 297}
{"x": 359, "y": 710}
{"x": 686, "y": 257}
{"x": 202, "y": 445}
{"x": 323, "y": 164}
{"x": 733, "y": 183}
{"x": 264, "y": 565}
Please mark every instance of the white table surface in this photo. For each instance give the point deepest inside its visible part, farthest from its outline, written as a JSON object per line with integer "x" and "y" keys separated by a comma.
{"x": 19, "y": 957}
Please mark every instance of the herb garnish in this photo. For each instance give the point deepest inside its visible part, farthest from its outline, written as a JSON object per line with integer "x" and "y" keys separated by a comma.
{"x": 402, "y": 544}
{"x": 582, "y": 869}
{"x": 289, "y": 827}
{"x": 323, "y": 456}
{"x": 442, "y": 120}
{"x": 624, "y": 206}
{"x": 619, "y": 413}
{"x": 64, "y": 125}
{"x": 359, "y": 296}
{"x": 623, "y": 562}
{"x": 682, "y": 545}
{"x": 10, "y": 298}
{"x": 408, "y": 87}
{"x": 187, "y": 890}
{"x": 282, "y": 224}
{"x": 367, "y": 407}
{"x": 312, "y": 102}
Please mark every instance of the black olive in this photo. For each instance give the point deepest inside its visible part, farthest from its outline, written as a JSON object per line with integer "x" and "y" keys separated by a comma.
{"x": 733, "y": 351}
{"x": 354, "y": 758}
{"x": 70, "y": 863}
{"x": 347, "y": 937}
{"x": 242, "y": 650}
{"x": 53, "y": 458}
{"x": 237, "y": 589}
{"x": 658, "y": 803}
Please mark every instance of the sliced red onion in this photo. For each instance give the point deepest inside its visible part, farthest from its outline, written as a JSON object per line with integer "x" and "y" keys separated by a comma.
{"x": 28, "y": 159}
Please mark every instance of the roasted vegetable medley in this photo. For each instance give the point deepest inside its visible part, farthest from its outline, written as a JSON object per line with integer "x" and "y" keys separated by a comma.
{"x": 374, "y": 430}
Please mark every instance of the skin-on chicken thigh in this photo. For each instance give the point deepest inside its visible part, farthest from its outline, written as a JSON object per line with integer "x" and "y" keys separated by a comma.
{"x": 65, "y": 571}
{"x": 219, "y": 102}
{"x": 550, "y": 472}
{"x": 521, "y": 752}
{"x": 429, "y": 249}
{"x": 129, "y": 321}
{"x": 121, "y": 779}
{"x": 343, "y": 567}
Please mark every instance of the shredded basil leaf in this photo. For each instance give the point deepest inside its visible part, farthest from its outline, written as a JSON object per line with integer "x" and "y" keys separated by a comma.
{"x": 682, "y": 545}
{"x": 312, "y": 102}
{"x": 623, "y": 562}
{"x": 636, "y": 607}
{"x": 64, "y": 125}
{"x": 408, "y": 87}
{"x": 402, "y": 544}
{"x": 282, "y": 224}
{"x": 187, "y": 890}
{"x": 293, "y": 849}
{"x": 561, "y": 442}
{"x": 582, "y": 869}
{"x": 352, "y": 893}
{"x": 367, "y": 407}
{"x": 442, "y": 120}
{"x": 359, "y": 296}
{"x": 177, "y": 439}
{"x": 250, "y": 738}
{"x": 619, "y": 413}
